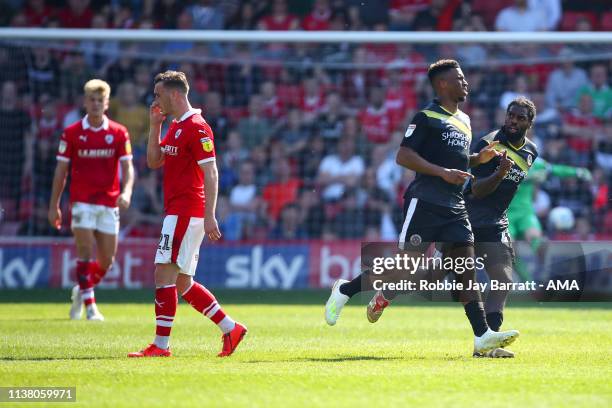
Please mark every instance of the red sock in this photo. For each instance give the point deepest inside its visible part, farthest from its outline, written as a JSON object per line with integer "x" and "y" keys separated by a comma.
{"x": 166, "y": 300}
{"x": 96, "y": 273}
{"x": 83, "y": 277}
{"x": 204, "y": 302}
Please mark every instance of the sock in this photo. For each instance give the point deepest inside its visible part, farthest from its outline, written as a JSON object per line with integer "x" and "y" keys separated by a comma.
{"x": 96, "y": 273}
{"x": 166, "y": 300}
{"x": 494, "y": 320}
{"x": 204, "y": 302}
{"x": 476, "y": 315}
{"x": 360, "y": 283}
{"x": 85, "y": 284}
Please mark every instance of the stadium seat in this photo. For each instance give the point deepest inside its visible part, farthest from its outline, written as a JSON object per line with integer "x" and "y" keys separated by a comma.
{"x": 606, "y": 21}
{"x": 570, "y": 19}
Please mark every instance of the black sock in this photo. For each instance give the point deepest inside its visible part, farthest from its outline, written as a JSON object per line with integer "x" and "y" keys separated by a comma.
{"x": 494, "y": 320}
{"x": 358, "y": 284}
{"x": 476, "y": 315}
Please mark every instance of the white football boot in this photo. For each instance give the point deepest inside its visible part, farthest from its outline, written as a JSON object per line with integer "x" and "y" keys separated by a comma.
{"x": 335, "y": 303}
{"x": 495, "y": 353}
{"x": 93, "y": 313}
{"x": 492, "y": 340}
{"x": 76, "y": 309}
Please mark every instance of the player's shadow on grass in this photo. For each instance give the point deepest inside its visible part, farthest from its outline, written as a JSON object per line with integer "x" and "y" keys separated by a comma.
{"x": 327, "y": 359}
{"x": 56, "y": 358}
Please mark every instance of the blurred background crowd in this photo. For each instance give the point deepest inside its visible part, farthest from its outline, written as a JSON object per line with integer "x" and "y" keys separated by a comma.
{"x": 306, "y": 134}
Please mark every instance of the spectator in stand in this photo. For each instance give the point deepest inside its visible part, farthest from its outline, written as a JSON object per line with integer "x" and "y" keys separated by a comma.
{"x": 375, "y": 119}
{"x": 244, "y": 204}
{"x": 403, "y": 12}
{"x": 565, "y": 82}
{"x": 551, "y": 9}
{"x": 350, "y": 222}
{"x": 245, "y": 18}
{"x": 76, "y": 14}
{"x": 282, "y": 190}
{"x": 290, "y": 225}
{"x": 123, "y": 69}
{"x": 520, "y": 87}
{"x": 143, "y": 218}
{"x": 400, "y": 99}
{"x": 318, "y": 19}
{"x": 548, "y": 120}
{"x": 47, "y": 131}
{"x": 279, "y": 19}
{"x": 329, "y": 123}
{"x": 273, "y": 108}
{"x": 16, "y": 151}
{"x": 581, "y": 127}
{"x": 603, "y": 155}
{"x": 437, "y": 17}
{"x": 38, "y": 13}
{"x": 243, "y": 78}
{"x": 480, "y": 123}
{"x": 44, "y": 73}
{"x": 388, "y": 173}
{"x": 312, "y": 212}
{"x": 312, "y": 99}
{"x": 166, "y": 12}
{"x": 74, "y": 73}
{"x": 100, "y": 54}
{"x": 142, "y": 81}
{"x": 600, "y": 91}
{"x": 255, "y": 129}
{"x": 127, "y": 110}
{"x": 373, "y": 200}
{"x": 337, "y": 172}
{"x": 213, "y": 107}
{"x": 207, "y": 15}
{"x": 37, "y": 225}
{"x": 520, "y": 18}
{"x": 294, "y": 134}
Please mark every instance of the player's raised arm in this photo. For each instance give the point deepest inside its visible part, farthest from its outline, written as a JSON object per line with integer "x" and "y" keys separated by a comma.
{"x": 211, "y": 191}
{"x": 155, "y": 156}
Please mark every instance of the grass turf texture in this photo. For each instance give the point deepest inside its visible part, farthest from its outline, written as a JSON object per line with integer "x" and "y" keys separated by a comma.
{"x": 417, "y": 355}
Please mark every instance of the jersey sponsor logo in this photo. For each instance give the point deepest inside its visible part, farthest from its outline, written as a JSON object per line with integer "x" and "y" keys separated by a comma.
{"x": 529, "y": 160}
{"x": 515, "y": 174}
{"x": 83, "y": 138}
{"x": 170, "y": 150}
{"x": 454, "y": 138}
{"x": 109, "y": 138}
{"x": 96, "y": 153}
{"x": 207, "y": 144}
{"x": 410, "y": 130}
{"x": 62, "y": 146}
{"x": 178, "y": 133}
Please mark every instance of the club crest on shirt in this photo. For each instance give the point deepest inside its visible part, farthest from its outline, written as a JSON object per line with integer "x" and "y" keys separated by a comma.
{"x": 178, "y": 133}
{"x": 109, "y": 138}
{"x": 207, "y": 144}
{"x": 62, "y": 146}
{"x": 529, "y": 160}
{"x": 410, "y": 130}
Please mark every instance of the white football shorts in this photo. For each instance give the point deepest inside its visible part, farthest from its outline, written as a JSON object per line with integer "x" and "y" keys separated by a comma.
{"x": 180, "y": 242}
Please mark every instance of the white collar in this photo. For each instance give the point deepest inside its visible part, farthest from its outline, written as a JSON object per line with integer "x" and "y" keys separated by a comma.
{"x": 189, "y": 113}
{"x": 86, "y": 125}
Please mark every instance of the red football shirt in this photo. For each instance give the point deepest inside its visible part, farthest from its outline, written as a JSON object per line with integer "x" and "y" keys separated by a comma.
{"x": 94, "y": 155}
{"x": 188, "y": 143}
{"x": 376, "y": 124}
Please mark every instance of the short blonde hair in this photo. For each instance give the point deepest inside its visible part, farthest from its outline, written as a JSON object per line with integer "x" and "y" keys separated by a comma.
{"x": 94, "y": 86}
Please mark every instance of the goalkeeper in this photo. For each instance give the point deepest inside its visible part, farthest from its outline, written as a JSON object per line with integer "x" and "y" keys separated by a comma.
{"x": 523, "y": 222}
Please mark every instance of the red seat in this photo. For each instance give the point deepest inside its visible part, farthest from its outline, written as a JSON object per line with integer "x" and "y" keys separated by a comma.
{"x": 570, "y": 19}
{"x": 606, "y": 21}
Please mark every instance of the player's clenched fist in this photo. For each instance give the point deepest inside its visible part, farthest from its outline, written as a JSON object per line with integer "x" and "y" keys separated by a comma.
{"x": 454, "y": 176}
{"x": 55, "y": 217}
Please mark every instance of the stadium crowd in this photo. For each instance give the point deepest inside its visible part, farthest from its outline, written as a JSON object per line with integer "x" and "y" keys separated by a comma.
{"x": 306, "y": 134}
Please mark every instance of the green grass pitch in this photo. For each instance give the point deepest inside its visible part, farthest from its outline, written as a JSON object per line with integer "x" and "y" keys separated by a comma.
{"x": 414, "y": 356}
